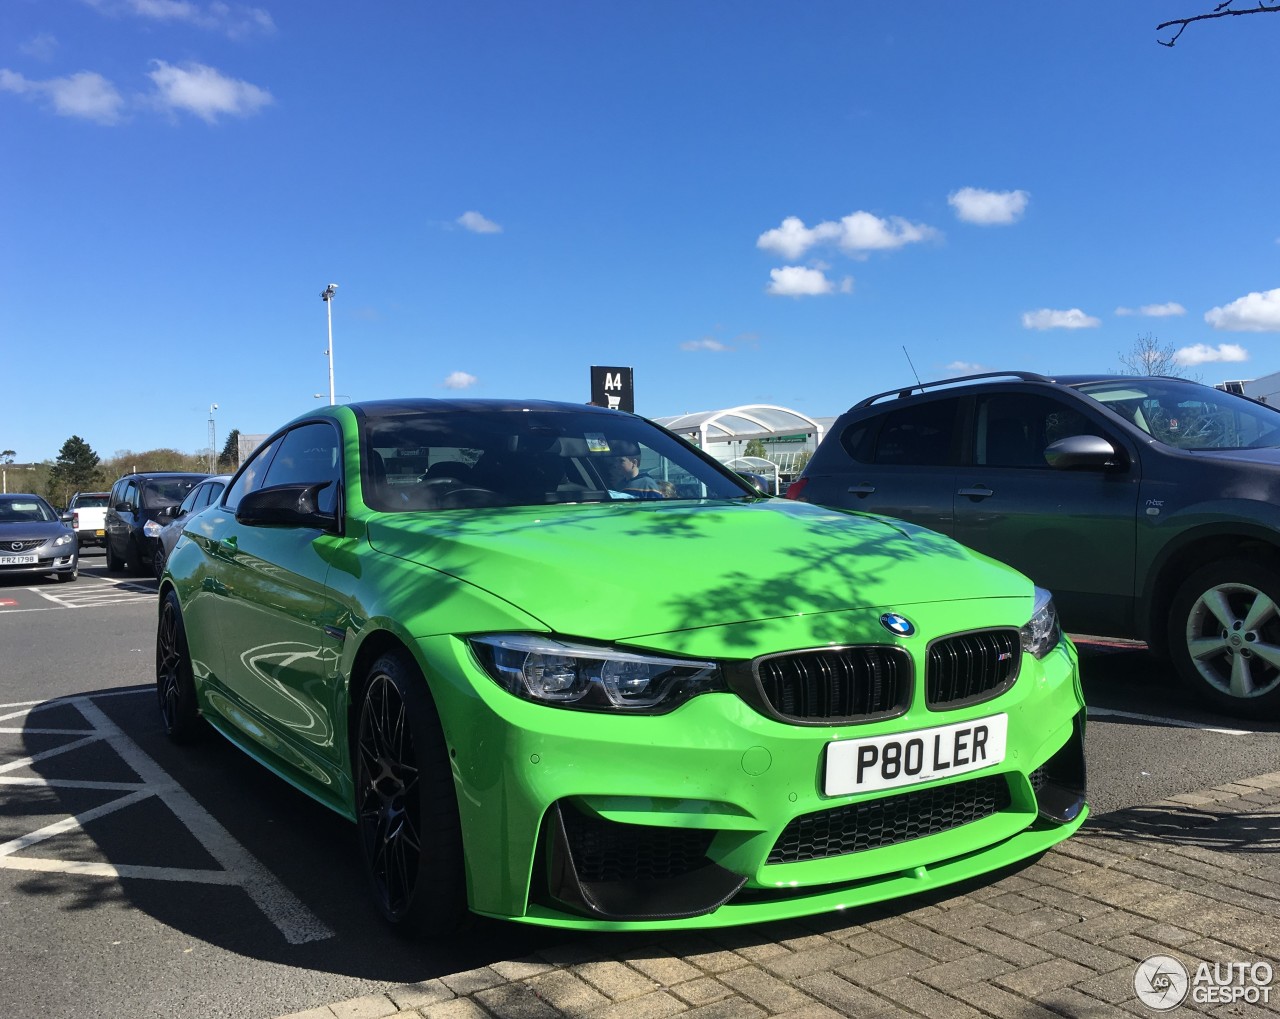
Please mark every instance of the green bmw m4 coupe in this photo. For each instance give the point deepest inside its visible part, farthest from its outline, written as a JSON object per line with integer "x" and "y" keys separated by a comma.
{"x": 561, "y": 667}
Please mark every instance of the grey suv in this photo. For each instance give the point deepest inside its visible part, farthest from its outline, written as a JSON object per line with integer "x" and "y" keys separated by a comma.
{"x": 140, "y": 505}
{"x": 1150, "y": 507}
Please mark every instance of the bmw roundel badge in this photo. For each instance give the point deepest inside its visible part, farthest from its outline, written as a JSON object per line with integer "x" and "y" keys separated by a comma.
{"x": 899, "y": 625}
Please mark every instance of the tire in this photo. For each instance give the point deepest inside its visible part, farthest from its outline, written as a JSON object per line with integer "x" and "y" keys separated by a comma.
{"x": 175, "y": 684}
{"x": 114, "y": 565}
{"x": 1224, "y": 637}
{"x": 406, "y": 807}
{"x": 66, "y": 576}
{"x": 158, "y": 559}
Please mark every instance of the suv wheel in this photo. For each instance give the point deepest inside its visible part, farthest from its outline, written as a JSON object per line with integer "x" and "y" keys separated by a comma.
{"x": 1224, "y": 637}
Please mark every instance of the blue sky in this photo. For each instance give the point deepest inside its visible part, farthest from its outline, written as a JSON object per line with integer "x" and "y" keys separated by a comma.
{"x": 746, "y": 202}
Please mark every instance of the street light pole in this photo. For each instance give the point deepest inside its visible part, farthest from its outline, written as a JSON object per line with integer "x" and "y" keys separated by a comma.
{"x": 326, "y": 295}
{"x": 213, "y": 439}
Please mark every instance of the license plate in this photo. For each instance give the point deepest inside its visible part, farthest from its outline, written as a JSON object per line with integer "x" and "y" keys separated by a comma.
{"x": 18, "y": 560}
{"x": 100, "y": 533}
{"x": 905, "y": 758}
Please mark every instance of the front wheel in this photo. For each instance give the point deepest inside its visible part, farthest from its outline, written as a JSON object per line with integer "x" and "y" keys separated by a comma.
{"x": 158, "y": 560}
{"x": 1224, "y": 637}
{"x": 406, "y": 808}
{"x": 175, "y": 684}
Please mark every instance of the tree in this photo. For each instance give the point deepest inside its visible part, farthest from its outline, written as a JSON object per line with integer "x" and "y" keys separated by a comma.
{"x": 75, "y": 470}
{"x": 7, "y": 455}
{"x": 229, "y": 458}
{"x": 756, "y": 448}
{"x": 1148, "y": 356}
{"x": 1220, "y": 10}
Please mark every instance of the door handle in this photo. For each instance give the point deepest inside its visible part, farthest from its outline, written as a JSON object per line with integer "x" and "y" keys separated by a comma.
{"x": 862, "y": 490}
{"x": 981, "y": 492}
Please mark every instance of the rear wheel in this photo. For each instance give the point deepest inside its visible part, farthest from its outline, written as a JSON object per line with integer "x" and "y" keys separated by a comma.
{"x": 407, "y": 811}
{"x": 1224, "y": 637}
{"x": 175, "y": 684}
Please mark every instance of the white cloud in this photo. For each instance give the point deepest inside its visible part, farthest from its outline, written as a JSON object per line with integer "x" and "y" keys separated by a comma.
{"x": 460, "y": 380}
{"x": 1202, "y": 353}
{"x": 706, "y": 343}
{"x": 86, "y": 95}
{"x": 40, "y": 47}
{"x": 233, "y": 20}
{"x": 1253, "y": 313}
{"x": 1155, "y": 310}
{"x": 856, "y": 234}
{"x": 988, "y": 208}
{"x": 1047, "y": 318}
{"x": 964, "y": 368}
{"x": 205, "y": 91}
{"x": 799, "y": 281}
{"x": 478, "y": 224}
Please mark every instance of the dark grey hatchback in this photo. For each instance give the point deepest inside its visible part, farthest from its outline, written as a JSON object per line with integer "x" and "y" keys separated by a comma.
{"x": 1150, "y": 506}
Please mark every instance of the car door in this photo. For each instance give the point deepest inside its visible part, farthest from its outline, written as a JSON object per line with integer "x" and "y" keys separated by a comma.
{"x": 902, "y": 464}
{"x": 1071, "y": 531}
{"x": 279, "y": 669}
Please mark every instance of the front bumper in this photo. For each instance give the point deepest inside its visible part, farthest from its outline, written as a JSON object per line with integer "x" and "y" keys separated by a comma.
{"x": 58, "y": 560}
{"x": 714, "y": 815}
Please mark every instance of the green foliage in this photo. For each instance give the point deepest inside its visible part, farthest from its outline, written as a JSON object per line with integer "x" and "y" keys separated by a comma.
{"x": 129, "y": 462}
{"x": 756, "y": 448}
{"x": 75, "y": 470}
{"x": 229, "y": 458}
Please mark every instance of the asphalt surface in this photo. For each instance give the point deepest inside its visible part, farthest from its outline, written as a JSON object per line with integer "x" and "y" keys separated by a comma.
{"x": 126, "y": 920}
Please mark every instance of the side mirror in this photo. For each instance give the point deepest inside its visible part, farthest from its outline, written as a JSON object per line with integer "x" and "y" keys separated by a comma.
{"x": 1076, "y": 452}
{"x": 287, "y": 506}
{"x": 66, "y": 517}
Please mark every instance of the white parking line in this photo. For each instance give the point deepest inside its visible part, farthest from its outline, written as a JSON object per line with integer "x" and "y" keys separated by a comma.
{"x": 1177, "y": 723}
{"x": 296, "y": 923}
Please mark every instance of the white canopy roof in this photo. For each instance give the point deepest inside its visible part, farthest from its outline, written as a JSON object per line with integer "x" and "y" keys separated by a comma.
{"x": 752, "y": 421}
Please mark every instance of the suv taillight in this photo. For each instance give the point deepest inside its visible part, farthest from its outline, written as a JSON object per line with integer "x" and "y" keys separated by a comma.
{"x": 75, "y": 518}
{"x": 795, "y": 490}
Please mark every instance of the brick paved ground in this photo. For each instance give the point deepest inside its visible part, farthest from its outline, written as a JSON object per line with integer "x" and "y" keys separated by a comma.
{"x": 1196, "y": 877}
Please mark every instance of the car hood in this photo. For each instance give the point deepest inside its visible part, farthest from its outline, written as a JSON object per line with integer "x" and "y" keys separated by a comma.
{"x": 619, "y": 571}
{"x": 28, "y": 530}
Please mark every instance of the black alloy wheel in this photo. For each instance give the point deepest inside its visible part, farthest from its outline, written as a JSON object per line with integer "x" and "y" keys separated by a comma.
{"x": 175, "y": 684}
{"x": 158, "y": 559}
{"x": 407, "y": 813}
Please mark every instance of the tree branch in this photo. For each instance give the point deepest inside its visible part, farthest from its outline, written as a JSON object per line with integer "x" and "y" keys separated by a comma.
{"x": 1222, "y": 10}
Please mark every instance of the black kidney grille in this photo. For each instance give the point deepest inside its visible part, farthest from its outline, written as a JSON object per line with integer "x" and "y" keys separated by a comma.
{"x": 836, "y": 683}
{"x": 610, "y": 851}
{"x": 971, "y": 667}
{"x": 890, "y": 820}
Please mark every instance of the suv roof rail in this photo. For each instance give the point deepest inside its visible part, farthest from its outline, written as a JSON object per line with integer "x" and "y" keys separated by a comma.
{"x": 922, "y": 386}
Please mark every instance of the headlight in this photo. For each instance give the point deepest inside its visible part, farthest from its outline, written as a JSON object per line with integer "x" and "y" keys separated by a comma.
{"x": 151, "y": 529}
{"x": 550, "y": 671}
{"x": 1042, "y": 633}
{"x": 63, "y": 539}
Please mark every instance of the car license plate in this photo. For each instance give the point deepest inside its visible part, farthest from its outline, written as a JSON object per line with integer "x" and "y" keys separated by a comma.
{"x": 905, "y": 758}
{"x": 100, "y": 533}
{"x": 18, "y": 560}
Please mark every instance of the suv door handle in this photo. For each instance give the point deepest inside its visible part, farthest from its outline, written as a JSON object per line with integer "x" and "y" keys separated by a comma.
{"x": 981, "y": 492}
{"x": 862, "y": 490}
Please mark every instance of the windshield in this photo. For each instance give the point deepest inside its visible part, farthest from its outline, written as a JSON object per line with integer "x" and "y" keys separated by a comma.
{"x": 168, "y": 492}
{"x": 462, "y": 458}
{"x": 1188, "y": 415}
{"x": 25, "y": 509}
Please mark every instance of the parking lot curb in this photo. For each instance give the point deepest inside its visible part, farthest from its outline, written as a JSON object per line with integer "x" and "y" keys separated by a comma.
{"x": 1195, "y": 877}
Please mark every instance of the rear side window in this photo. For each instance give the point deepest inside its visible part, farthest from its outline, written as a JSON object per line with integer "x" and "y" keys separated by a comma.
{"x": 918, "y": 436}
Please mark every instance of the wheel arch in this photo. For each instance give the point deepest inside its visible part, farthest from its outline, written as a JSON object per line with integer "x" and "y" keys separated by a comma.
{"x": 1192, "y": 550}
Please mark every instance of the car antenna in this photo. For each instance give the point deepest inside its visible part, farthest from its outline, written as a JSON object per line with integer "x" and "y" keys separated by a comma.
{"x": 913, "y": 367}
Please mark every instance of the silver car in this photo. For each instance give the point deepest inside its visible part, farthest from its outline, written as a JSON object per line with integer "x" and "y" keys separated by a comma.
{"x": 33, "y": 539}
{"x": 168, "y": 532}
